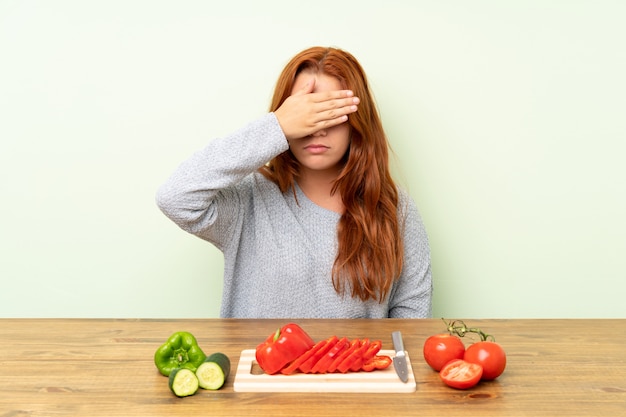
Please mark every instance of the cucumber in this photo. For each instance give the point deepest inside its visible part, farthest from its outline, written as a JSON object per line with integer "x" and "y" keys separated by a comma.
{"x": 183, "y": 382}
{"x": 213, "y": 372}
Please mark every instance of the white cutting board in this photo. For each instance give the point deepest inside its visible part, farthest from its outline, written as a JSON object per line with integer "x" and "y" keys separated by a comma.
{"x": 380, "y": 381}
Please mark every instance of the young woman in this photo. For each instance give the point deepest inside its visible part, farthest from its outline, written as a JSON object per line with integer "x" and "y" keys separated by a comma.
{"x": 303, "y": 207}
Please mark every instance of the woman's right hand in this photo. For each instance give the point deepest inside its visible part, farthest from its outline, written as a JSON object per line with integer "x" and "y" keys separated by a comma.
{"x": 305, "y": 112}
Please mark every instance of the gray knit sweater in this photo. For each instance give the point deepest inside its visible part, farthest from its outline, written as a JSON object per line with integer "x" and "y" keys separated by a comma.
{"x": 279, "y": 250}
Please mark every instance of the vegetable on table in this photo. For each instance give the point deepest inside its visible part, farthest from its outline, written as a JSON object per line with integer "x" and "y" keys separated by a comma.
{"x": 318, "y": 351}
{"x": 182, "y": 360}
{"x": 366, "y": 351}
{"x": 353, "y": 345}
{"x": 321, "y": 367}
{"x": 295, "y": 365}
{"x": 282, "y": 347}
{"x": 181, "y": 350}
{"x": 444, "y": 351}
{"x": 461, "y": 374}
{"x": 330, "y": 355}
{"x": 489, "y": 355}
{"x": 377, "y": 362}
{"x": 183, "y": 382}
{"x": 441, "y": 348}
{"x": 486, "y": 353}
{"x": 354, "y": 362}
{"x": 212, "y": 373}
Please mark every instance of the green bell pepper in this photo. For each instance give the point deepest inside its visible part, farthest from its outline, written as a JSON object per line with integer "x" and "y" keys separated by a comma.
{"x": 180, "y": 351}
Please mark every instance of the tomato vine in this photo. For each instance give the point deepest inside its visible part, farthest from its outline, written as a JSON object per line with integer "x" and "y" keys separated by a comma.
{"x": 459, "y": 328}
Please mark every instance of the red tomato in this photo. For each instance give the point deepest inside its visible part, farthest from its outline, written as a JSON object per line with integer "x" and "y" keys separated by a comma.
{"x": 441, "y": 349}
{"x": 460, "y": 374}
{"x": 489, "y": 355}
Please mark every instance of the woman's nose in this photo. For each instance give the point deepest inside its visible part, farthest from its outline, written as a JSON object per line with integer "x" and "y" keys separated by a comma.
{"x": 321, "y": 132}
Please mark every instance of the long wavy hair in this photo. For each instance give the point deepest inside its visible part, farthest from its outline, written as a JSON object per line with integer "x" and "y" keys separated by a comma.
{"x": 370, "y": 249}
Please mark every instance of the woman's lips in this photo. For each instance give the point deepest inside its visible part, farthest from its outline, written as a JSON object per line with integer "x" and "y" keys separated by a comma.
{"x": 316, "y": 149}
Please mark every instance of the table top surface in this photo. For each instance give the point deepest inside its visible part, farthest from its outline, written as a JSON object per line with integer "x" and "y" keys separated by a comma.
{"x": 102, "y": 367}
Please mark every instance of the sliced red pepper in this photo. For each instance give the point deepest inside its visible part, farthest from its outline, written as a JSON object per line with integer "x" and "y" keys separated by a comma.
{"x": 316, "y": 356}
{"x": 322, "y": 365}
{"x": 356, "y": 356}
{"x": 354, "y": 345}
{"x": 372, "y": 349}
{"x": 282, "y": 347}
{"x": 377, "y": 362}
{"x": 293, "y": 366}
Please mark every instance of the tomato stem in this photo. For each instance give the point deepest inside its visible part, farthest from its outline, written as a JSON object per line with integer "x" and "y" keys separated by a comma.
{"x": 458, "y": 327}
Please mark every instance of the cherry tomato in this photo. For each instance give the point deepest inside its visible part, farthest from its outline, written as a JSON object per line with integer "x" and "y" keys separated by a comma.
{"x": 490, "y": 356}
{"x": 460, "y": 374}
{"x": 441, "y": 349}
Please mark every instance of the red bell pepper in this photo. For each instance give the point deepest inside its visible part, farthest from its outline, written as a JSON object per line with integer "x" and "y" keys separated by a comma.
{"x": 352, "y": 347}
{"x": 355, "y": 344}
{"x": 377, "y": 362}
{"x": 282, "y": 347}
{"x": 328, "y": 344}
{"x": 322, "y": 365}
{"x": 366, "y": 354}
{"x": 294, "y": 365}
{"x": 350, "y": 361}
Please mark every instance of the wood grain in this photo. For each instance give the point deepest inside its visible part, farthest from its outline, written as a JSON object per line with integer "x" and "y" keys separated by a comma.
{"x": 98, "y": 367}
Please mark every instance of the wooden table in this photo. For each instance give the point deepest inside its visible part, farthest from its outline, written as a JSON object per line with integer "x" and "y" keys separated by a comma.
{"x": 97, "y": 367}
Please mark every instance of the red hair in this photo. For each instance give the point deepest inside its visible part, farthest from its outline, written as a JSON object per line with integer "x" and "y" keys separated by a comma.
{"x": 370, "y": 251}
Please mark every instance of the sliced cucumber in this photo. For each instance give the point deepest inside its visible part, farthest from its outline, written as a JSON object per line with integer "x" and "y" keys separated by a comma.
{"x": 213, "y": 372}
{"x": 183, "y": 382}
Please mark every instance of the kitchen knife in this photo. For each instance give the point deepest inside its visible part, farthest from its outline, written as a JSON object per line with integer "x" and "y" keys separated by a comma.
{"x": 399, "y": 361}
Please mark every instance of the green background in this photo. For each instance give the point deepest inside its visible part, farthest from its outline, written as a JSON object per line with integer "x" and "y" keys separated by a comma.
{"x": 507, "y": 120}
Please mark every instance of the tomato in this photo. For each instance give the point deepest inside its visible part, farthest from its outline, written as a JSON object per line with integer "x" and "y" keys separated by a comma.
{"x": 489, "y": 355}
{"x": 460, "y": 374}
{"x": 441, "y": 349}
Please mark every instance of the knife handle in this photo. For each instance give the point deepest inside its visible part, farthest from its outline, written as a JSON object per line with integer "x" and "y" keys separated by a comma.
{"x": 396, "y": 338}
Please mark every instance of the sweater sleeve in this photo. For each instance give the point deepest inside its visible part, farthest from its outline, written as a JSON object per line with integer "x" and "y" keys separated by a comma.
{"x": 203, "y": 186}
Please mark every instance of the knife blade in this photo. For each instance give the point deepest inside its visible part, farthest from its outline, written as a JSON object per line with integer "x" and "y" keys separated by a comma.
{"x": 399, "y": 361}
